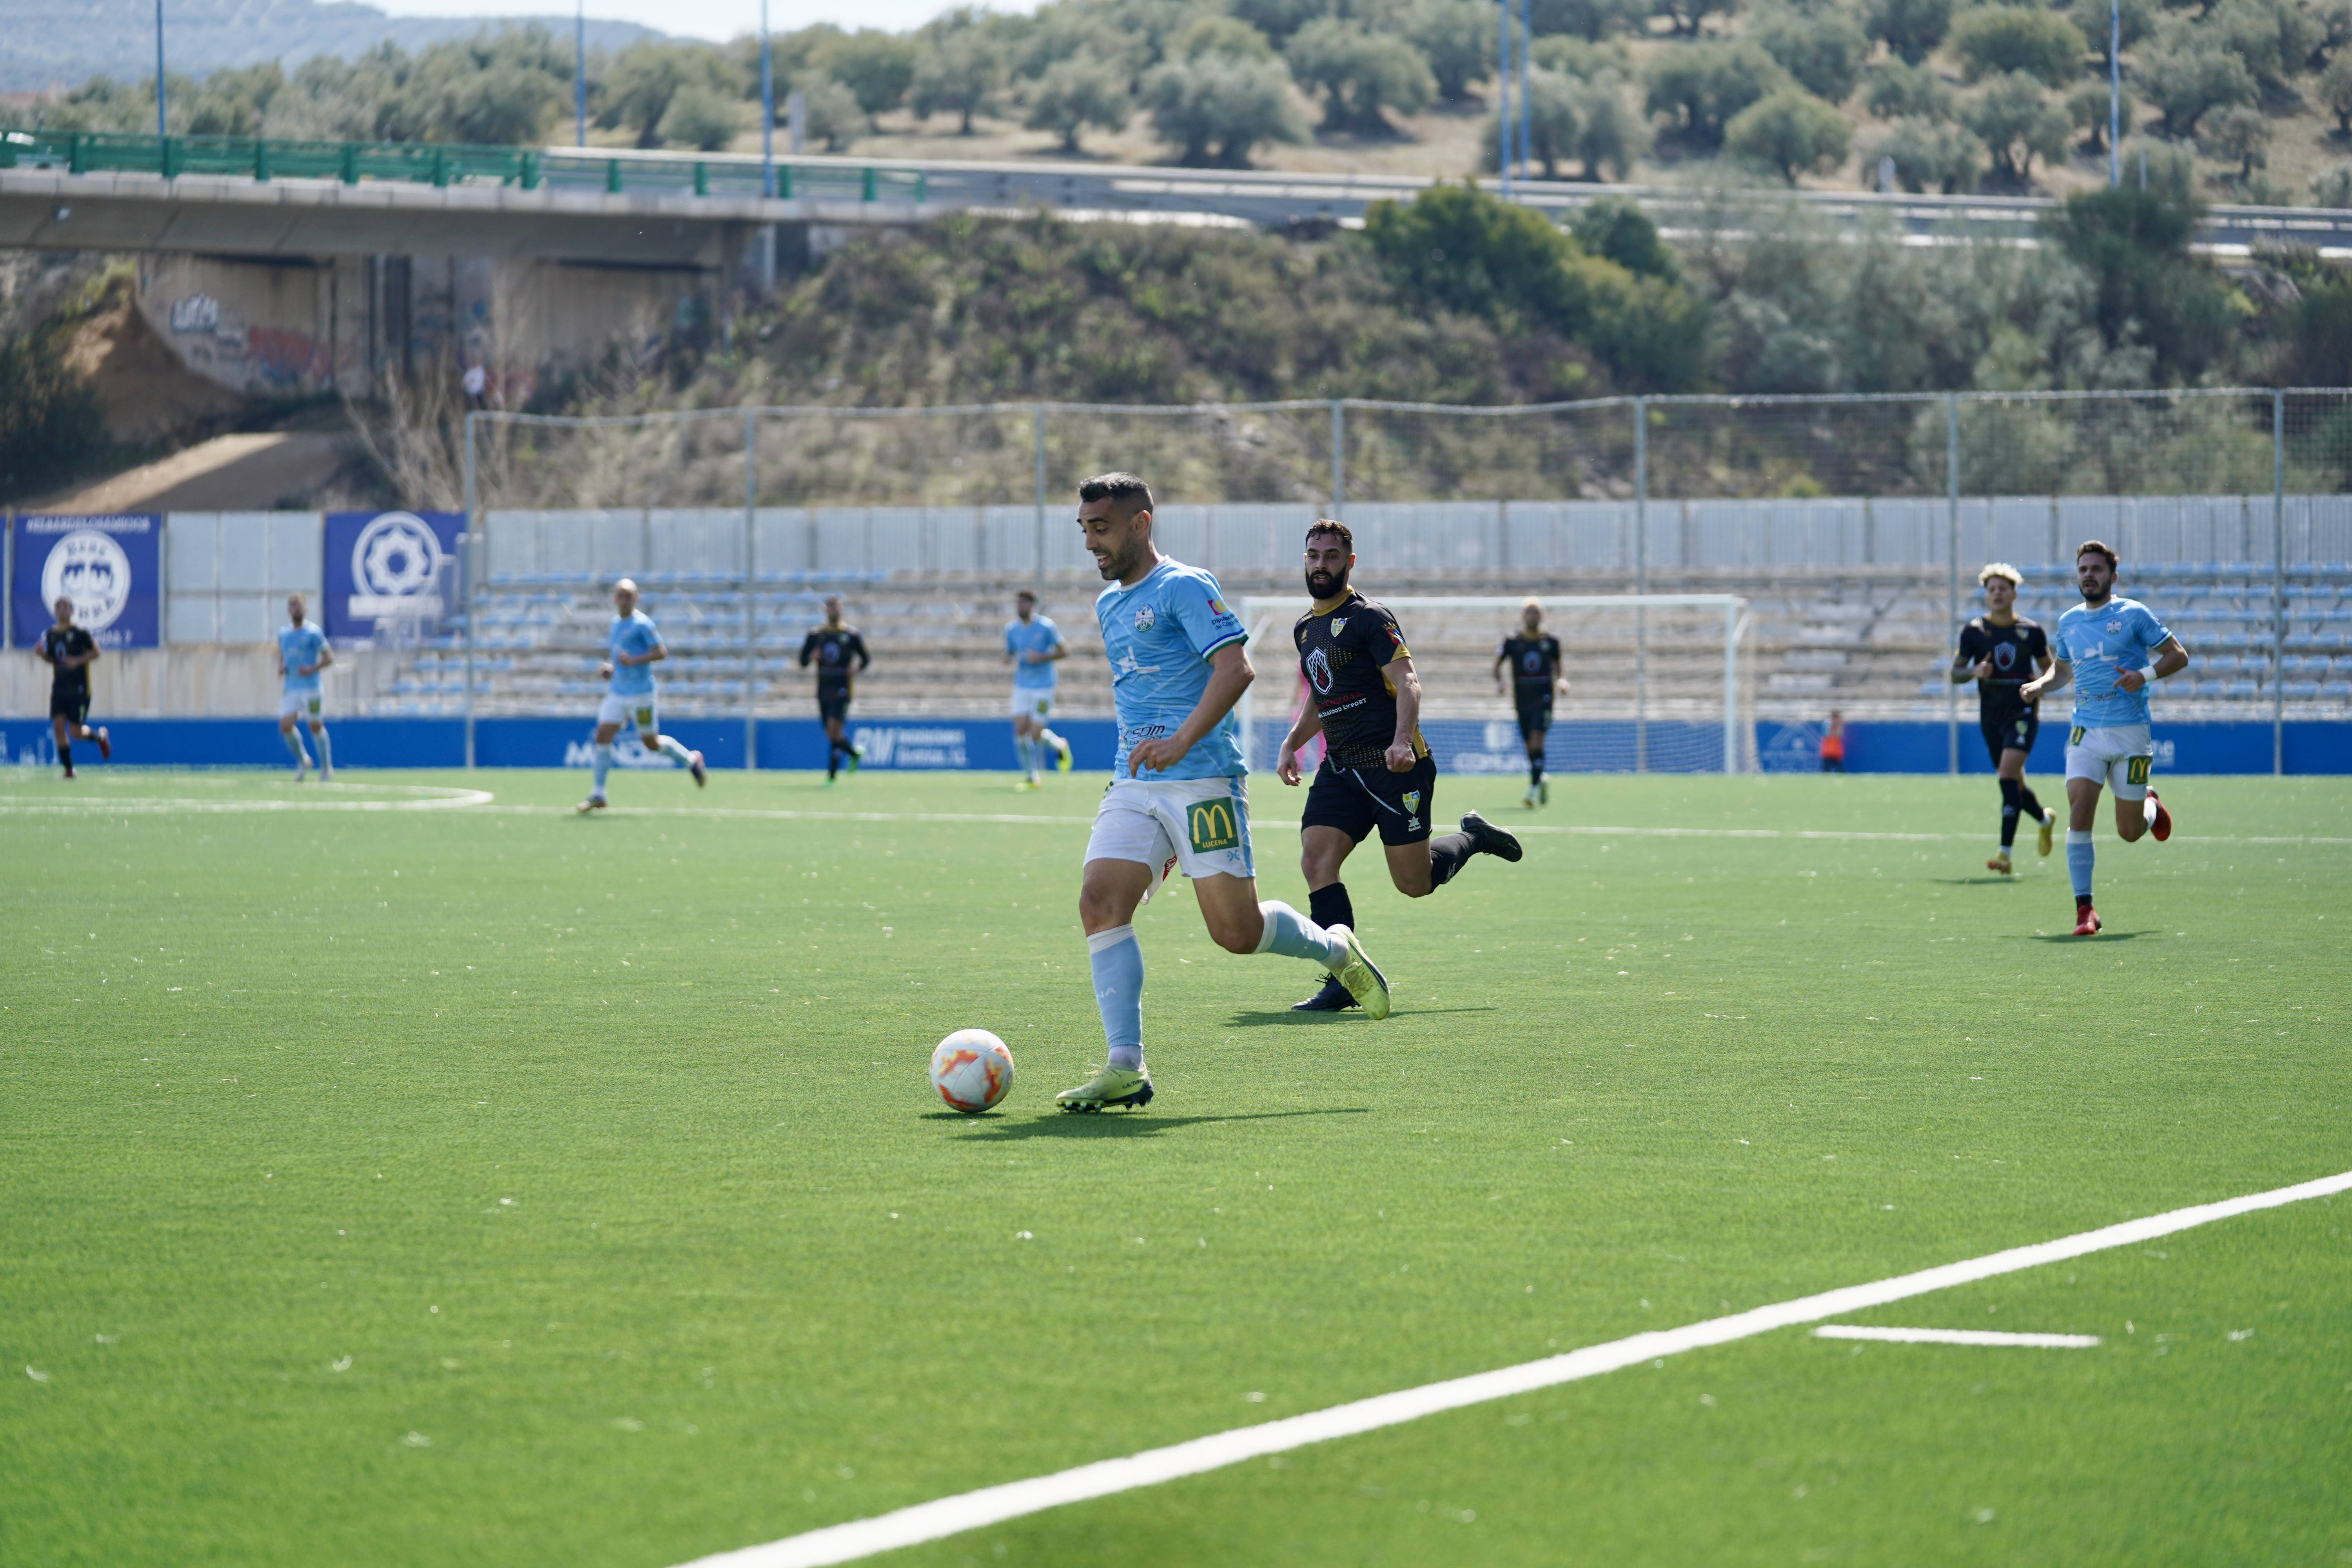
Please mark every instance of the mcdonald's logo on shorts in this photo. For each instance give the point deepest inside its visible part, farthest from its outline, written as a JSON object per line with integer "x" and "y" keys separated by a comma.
{"x": 2136, "y": 769}
{"x": 645, "y": 718}
{"x": 1213, "y": 824}
{"x": 2075, "y": 736}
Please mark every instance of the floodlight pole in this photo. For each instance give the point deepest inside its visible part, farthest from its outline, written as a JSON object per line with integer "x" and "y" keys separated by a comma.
{"x": 1952, "y": 574}
{"x": 1641, "y": 584}
{"x": 580, "y": 73}
{"x": 767, "y": 109}
{"x": 1526, "y": 47}
{"x": 160, "y": 131}
{"x": 750, "y": 590}
{"x": 1338, "y": 457}
{"x": 2114, "y": 93}
{"x": 1037, "y": 443}
{"x": 1502, "y": 96}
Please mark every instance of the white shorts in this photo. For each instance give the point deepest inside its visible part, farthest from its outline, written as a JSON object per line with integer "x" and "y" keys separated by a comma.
{"x": 1201, "y": 825}
{"x": 1031, "y": 702}
{"x": 2118, "y": 756}
{"x": 302, "y": 705}
{"x": 626, "y": 711}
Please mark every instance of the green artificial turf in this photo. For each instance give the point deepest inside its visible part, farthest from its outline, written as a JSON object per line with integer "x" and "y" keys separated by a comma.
{"x": 482, "y": 1185}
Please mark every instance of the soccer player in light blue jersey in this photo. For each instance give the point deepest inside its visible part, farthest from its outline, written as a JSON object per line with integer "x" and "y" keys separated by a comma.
{"x": 632, "y": 649}
{"x": 2104, "y": 646}
{"x": 1032, "y": 645}
{"x": 1177, "y": 794}
{"x": 303, "y": 653}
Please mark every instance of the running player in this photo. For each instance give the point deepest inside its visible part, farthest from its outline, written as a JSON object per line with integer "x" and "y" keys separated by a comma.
{"x": 2000, "y": 651}
{"x": 832, "y": 647}
{"x": 1365, "y": 702}
{"x": 303, "y": 653}
{"x": 2109, "y": 640}
{"x": 1177, "y": 794}
{"x": 1532, "y": 654}
{"x": 1031, "y": 646}
{"x": 632, "y": 649}
{"x": 68, "y": 651}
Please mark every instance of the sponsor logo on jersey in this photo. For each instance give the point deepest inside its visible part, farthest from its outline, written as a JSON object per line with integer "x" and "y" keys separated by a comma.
{"x": 1318, "y": 670}
{"x": 2004, "y": 655}
{"x": 1144, "y": 618}
{"x": 1217, "y": 605}
{"x": 1213, "y": 824}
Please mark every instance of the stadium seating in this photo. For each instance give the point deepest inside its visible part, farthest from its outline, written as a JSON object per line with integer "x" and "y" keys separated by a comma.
{"x": 1871, "y": 641}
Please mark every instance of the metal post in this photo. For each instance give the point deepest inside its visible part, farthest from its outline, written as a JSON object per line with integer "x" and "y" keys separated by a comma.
{"x": 580, "y": 74}
{"x": 1503, "y": 96}
{"x": 767, "y": 109}
{"x": 1037, "y": 441}
{"x": 1731, "y": 685}
{"x": 1641, "y": 585}
{"x": 1338, "y": 457}
{"x": 1952, "y": 575}
{"x": 2278, "y": 583}
{"x": 472, "y": 543}
{"x": 159, "y": 133}
{"x": 1527, "y": 42}
{"x": 750, "y": 590}
{"x": 7, "y": 579}
{"x": 2114, "y": 92}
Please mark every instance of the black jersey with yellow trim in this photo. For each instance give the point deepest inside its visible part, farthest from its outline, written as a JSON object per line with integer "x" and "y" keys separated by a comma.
{"x": 1344, "y": 653}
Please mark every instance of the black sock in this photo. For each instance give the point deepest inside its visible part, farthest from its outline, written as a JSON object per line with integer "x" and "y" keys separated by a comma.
{"x": 2081, "y": 902}
{"x": 1447, "y": 856}
{"x": 1328, "y": 907}
{"x": 2009, "y": 790}
{"x": 2026, "y": 802}
{"x": 832, "y": 758}
{"x": 65, "y": 755}
{"x": 1535, "y": 768}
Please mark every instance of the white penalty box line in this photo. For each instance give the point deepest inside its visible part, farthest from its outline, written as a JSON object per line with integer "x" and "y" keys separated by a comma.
{"x": 992, "y": 1505}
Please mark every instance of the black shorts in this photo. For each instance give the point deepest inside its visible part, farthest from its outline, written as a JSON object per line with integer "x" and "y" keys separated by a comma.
{"x": 1357, "y": 800}
{"x": 833, "y": 701}
{"x": 73, "y": 707}
{"x": 1535, "y": 710}
{"x": 2015, "y": 729}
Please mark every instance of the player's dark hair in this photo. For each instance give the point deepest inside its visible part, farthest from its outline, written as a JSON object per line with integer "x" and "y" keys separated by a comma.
{"x": 1332, "y": 525}
{"x": 1128, "y": 491}
{"x": 2093, "y": 547}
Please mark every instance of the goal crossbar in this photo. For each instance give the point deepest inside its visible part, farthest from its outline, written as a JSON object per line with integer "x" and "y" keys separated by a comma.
{"x": 1265, "y": 614}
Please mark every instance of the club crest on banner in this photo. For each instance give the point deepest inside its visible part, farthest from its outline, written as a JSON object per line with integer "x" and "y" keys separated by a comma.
{"x": 90, "y": 568}
{"x": 395, "y": 568}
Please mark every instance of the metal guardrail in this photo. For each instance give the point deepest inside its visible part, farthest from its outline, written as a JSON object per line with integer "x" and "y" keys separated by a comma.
{"x": 447, "y": 163}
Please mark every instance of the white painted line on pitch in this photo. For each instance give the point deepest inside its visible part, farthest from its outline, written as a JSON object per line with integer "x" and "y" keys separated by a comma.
{"x": 1957, "y": 1337}
{"x": 430, "y": 797}
{"x": 990, "y": 1505}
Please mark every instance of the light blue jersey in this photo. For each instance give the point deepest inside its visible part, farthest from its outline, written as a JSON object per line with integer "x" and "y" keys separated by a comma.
{"x": 634, "y": 635}
{"x": 1035, "y": 636}
{"x": 2100, "y": 645}
{"x": 1158, "y": 636}
{"x": 298, "y": 646}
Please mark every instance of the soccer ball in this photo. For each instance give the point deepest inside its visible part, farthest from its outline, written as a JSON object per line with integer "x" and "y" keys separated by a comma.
{"x": 972, "y": 1069}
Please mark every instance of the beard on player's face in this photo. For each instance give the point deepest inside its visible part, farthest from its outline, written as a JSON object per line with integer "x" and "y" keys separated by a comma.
{"x": 1325, "y": 583}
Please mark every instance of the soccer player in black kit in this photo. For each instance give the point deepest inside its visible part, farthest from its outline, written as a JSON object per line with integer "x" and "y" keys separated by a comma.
{"x": 1365, "y": 702}
{"x": 831, "y": 648}
{"x": 1533, "y": 656}
{"x": 2000, "y": 651}
{"x": 68, "y": 651}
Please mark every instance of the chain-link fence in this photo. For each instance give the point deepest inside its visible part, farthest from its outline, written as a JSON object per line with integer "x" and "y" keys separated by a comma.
{"x": 1867, "y": 515}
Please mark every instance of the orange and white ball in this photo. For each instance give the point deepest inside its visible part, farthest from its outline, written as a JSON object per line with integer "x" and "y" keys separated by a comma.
{"x": 972, "y": 1069}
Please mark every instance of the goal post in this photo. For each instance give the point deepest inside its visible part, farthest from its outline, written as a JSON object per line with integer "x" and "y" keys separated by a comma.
{"x": 1657, "y": 682}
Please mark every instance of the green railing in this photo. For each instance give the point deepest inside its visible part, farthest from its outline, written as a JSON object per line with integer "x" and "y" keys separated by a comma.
{"x": 446, "y": 164}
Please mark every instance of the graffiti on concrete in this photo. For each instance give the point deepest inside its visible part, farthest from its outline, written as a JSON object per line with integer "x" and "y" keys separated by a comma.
{"x": 219, "y": 343}
{"x": 196, "y": 313}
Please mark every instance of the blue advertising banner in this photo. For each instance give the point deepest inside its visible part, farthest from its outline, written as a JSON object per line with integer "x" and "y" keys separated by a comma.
{"x": 390, "y": 566}
{"x": 110, "y": 566}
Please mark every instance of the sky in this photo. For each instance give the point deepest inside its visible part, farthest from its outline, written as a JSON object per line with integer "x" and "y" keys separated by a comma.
{"x": 717, "y": 20}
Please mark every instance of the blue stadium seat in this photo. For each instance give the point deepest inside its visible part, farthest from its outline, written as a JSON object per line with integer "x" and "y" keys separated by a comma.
{"x": 2304, "y": 689}
{"x": 2336, "y": 689}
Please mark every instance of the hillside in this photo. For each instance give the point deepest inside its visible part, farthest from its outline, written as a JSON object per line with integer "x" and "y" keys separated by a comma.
{"x": 116, "y": 38}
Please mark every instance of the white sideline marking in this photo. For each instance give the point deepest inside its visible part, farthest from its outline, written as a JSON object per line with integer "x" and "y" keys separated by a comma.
{"x": 428, "y": 798}
{"x": 1957, "y": 1337}
{"x": 990, "y": 1505}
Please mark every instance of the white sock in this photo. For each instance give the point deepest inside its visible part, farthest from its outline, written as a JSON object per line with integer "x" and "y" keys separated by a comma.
{"x": 326, "y": 753}
{"x": 293, "y": 739}
{"x": 1293, "y": 935}
{"x": 673, "y": 749}
{"x": 2147, "y": 810}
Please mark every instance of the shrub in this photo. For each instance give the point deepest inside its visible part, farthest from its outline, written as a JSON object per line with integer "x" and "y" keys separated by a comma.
{"x": 1897, "y": 91}
{"x": 958, "y": 74}
{"x": 1700, "y": 87}
{"x": 1913, "y": 29}
{"x": 50, "y": 419}
{"x": 1591, "y": 20}
{"x": 2334, "y": 91}
{"x": 1823, "y": 50}
{"x": 1792, "y": 132}
{"x": 2134, "y": 246}
{"x": 837, "y": 115}
{"x": 1362, "y": 73}
{"x": 1929, "y": 155}
{"x": 2019, "y": 123}
{"x": 1617, "y": 230}
{"x": 1457, "y": 40}
{"x": 2187, "y": 77}
{"x": 878, "y": 67}
{"x": 2094, "y": 20}
{"x": 700, "y": 117}
{"x": 1996, "y": 40}
{"x": 2239, "y": 135}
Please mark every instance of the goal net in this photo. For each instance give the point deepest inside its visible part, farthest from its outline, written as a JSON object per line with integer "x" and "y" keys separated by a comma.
{"x": 1657, "y": 682}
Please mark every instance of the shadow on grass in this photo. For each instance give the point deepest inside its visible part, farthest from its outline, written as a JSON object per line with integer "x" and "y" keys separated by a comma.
{"x": 1992, "y": 881}
{"x": 1129, "y": 1123}
{"x": 1286, "y": 1017}
{"x": 2109, "y": 934}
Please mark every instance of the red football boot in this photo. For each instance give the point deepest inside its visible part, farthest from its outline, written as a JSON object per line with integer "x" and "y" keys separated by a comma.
{"x": 2161, "y": 824}
{"x": 106, "y": 751}
{"x": 2086, "y": 921}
